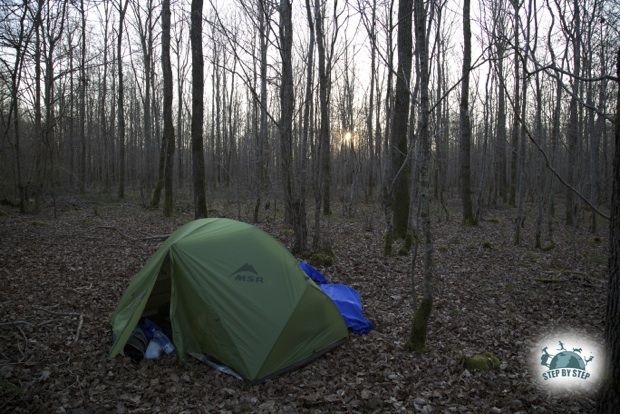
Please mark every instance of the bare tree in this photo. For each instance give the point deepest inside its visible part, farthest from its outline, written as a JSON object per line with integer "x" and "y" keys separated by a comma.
{"x": 499, "y": 38}
{"x": 520, "y": 148}
{"x": 198, "y": 162}
{"x": 610, "y": 398}
{"x": 168, "y": 136}
{"x": 19, "y": 42}
{"x": 399, "y": 186}
{"x": 422, "y": 312}
{"x": 264, "y": 13}
{"x": 573, "y": 120}
{"x": 122, "y": 9}
{"x": 465, "y": 123}
{"x": 325, "y": 129}
{"x": 83, "y": 86}
{"x": 287, "y": 102}
{"x": 145, "y": 27}
{"x": 308, "y": 110}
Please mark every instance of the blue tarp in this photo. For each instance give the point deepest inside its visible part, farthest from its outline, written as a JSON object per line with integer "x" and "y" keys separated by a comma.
{"x": 312, "y": 273}
{"x": 349, "y": 304}
{"x": 347, "y": 300}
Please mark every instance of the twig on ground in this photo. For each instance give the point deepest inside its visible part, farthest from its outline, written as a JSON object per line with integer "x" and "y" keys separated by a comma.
{"x": 25, "y": 343}
{"x": 79, "y": 328}
{"x": 157, "y": 237}
{"x": 15, "y": 323}
{"x": 57, "y": 313}
{"x": 80, "y": 288}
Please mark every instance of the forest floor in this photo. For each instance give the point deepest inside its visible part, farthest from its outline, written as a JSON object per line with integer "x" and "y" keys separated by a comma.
{"x": 61, "y": 278}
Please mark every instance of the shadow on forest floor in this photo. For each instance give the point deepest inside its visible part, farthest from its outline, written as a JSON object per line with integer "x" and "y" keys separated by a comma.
{"x": 61, "y": 279}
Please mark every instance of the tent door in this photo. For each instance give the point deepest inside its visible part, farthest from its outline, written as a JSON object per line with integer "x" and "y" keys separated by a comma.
{"x": 157, "y": 307}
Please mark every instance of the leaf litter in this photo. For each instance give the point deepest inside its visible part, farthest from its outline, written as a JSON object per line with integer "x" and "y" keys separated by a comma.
{"x": 61, "y": 279}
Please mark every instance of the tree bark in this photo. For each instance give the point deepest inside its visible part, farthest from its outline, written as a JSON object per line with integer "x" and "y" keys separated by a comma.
{"x": 500, "y": 148}
{"x": 167, "y": 107}
{"x": 610, "y": 395}
{"x": 419, "y": 326}
{"x": 325, "y": 129}
{"x": 521, "y": 155}
{"x": 287, "y": 102}
{"x": 516, "y": 107}
{"x": 465, "y": 153}
{"x": 83, "y": 84}
{"x": 121, "y": 99}
{"x": 573, "y": 120}
{"x": 400, "y": 117}
{"x": 263, "y": 32}
{"x": 198, "y": 161}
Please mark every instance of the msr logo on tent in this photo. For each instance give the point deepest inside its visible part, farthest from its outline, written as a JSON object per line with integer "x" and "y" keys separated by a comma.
{"x": 247, "y": 273}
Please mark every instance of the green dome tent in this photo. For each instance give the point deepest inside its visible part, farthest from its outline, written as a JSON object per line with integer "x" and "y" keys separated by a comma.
{"x": 235, "y": 294}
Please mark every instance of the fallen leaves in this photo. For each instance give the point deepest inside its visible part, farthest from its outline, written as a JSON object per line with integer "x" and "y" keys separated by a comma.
{"x": 62, "y": 279}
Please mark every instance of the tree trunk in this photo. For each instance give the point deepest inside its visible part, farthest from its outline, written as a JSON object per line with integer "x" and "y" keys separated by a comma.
{"x": 400, "y": 117}
{"x": 419, "y": 326}
{"x": 263, "y": 32}
{"x": 371, "y": 103}
{"x": 181, "y": 73}
{"x": 519, "y": 220}
{"x": 610, "y": 395}
{"x": 103, "y": 136}
{"x": 386, "y": 164}
{"x": 573, "y": 120}
{"x": 308, "y": 111}
{"x": 38, "y": 121}
{"x": 121, "y": 100}
{"x": 83, "y": 84}
{"x": 167, "y": 107}
{"x": 198, "y": 162}
{"x": 465, "y": 153}
{"x": 287, "y": 102}
{"x": 516, "y": 111}
{"x": 500, "y": 148}
{"x": 325, "y": 129}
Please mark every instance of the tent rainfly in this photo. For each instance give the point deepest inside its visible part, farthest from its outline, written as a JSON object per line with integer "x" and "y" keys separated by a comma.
{"x": 234, "y": 293}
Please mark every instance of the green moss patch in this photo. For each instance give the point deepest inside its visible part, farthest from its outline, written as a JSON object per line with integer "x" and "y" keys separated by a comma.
{"x": 485, "y": 361}
{"x": 322, "y": 258}
{"x": 600, "y": 260}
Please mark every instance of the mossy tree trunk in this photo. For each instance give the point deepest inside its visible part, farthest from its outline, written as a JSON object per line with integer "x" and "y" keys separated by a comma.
{"x": 417, "y": 338}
